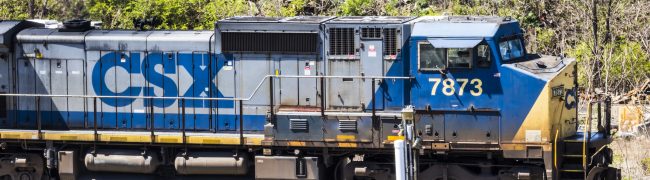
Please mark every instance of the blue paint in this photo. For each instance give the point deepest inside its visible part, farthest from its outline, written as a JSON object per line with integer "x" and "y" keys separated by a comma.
{"x": 221, "y": 122}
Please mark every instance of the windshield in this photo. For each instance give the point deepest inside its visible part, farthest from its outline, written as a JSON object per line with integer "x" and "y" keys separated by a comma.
{"x": 511, "y": 49}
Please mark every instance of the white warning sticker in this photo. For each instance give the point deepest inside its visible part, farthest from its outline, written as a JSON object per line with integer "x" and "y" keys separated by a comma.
{"x": 372, "y": 52}
{"x": 75, "y": 72}
{"x": 533, "y": 136}
{"x": 58, "y": 72}
{"x": 307, "y": 71}
{"x": 42, "y": 72}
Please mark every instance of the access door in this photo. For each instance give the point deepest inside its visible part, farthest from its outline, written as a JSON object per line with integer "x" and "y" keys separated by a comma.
{"x": 372, "y": 65}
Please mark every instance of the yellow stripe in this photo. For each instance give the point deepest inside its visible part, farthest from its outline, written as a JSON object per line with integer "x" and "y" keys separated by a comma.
{"x": 393, "y": 138}
{"x": 130, "y": 138}
{"x": 19, "y": 135}
{"x": 296, "y": 143}
{"x": 347, "y": 145}
{"x": 346, "y": 137}
{"x": 125, "y": 138}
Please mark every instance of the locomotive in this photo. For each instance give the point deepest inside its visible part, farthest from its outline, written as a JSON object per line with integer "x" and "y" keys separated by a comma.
{"x": 306, "y": 97}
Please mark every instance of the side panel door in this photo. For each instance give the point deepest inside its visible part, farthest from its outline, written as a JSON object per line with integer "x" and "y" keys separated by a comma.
{"x": 307, "y": 86}
{"x": 26, "y": 105}
{"x": 108, "y": 87}
{"x": 59, "y": 87}
{"x": 170, "y": 89}
{"x": 372, "y": 65}
{"x": 344, "y": 93}
{"x": 140, "y": 118}
{"x": 43, "y": 86}
{"x": 226, "y": 87}
{"x": 122, "y": 84}
{"x": 199, "y": 118}
{"x": 76, "y": 87}
{"x": 289, "y": 86}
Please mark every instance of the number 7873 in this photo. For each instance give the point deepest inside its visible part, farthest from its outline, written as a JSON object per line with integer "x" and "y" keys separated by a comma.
{"x": 449, "y": 86}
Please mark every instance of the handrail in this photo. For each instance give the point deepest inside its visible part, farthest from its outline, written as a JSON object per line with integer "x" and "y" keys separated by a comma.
{"x": 183, "y": 99}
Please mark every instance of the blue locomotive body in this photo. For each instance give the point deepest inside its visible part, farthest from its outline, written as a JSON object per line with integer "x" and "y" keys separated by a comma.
{"x": 349, "y": 86}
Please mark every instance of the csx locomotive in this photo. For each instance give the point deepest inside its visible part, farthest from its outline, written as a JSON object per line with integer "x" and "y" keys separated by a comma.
{"x": 310, "y": 97}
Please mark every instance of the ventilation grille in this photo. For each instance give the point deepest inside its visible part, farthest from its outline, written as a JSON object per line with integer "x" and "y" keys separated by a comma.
{"x": 371, "y": 33}
{"x": 298, "y": 124}
{"x": 341, "y": 41}
{"x": 390, "y": 41}
{"x": 269, "y": 42}
{"x": 348, "y": 125}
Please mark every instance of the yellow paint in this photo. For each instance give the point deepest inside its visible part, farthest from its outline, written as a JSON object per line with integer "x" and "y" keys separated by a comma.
{"x": 129, "y": 138}
{"x": 169, "y": 139}
{"x": 296, "y": 143}
{"x": 125, "y": 138}
{"x": 346, "y": 137}
{"x": 212, "y": 140}
{"x": 19, "y": 135}
{"x": 67, "y": 137}
{"x": 347, "y": 145}
{"x": 549, "y": 113}
{"x": 393, "y": 138}
{"x": 254, "y": 141}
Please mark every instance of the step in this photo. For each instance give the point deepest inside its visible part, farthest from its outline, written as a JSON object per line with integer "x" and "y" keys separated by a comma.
{"x": 572, "y": 170}
{"x": 572, "y": 156}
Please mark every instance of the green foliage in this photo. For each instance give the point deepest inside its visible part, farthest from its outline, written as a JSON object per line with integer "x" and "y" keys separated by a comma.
{"x": 645, "y": 163}
{"x": 357, "y": 7}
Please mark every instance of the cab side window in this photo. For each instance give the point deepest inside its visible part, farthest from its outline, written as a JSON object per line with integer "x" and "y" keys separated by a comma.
{"x": 431, "y": 58}
{"x": 483, "y": 56}
{"x": 459, "y": 57}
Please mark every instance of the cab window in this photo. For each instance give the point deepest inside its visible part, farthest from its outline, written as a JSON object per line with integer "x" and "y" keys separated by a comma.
{"x": 433, "y": 59}
{"x": 459, "y": 57}
{"x": 511, "y": 49}
{"x": 483, "y": 55}
{"x": 430, "y": 58}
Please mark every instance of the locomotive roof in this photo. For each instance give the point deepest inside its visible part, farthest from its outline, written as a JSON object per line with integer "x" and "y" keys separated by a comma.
{"x": 295, "y": 19}
{"x": 458, "y": 26}
{"x": 371, "y": 19}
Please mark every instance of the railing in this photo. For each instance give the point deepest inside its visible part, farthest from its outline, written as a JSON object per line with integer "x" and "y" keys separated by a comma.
{"x": 604, "y": 130}
{"x": 183, "y": 100}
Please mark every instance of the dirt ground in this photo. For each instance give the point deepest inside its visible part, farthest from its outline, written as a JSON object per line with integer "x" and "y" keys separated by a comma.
{"x": 629, "y": 153}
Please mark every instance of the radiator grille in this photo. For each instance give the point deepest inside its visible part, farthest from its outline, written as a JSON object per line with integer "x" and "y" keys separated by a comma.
{"x": 341, "y": 41}
{"x": 390, "y": 41}
{"x": 348, "y": 125}
{"x": 298, "y": 124}
{"x": 269, "y": 42}
{"x": 372, "y": 33}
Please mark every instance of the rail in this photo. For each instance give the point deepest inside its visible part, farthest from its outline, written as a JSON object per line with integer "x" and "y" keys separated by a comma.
{"x": 151, "y": 127}
{"x": 603, "y": 128}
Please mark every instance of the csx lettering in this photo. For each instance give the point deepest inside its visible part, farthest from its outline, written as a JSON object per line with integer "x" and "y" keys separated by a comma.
{"x": 196, "y": 64}
{"x": 449, "y": 86}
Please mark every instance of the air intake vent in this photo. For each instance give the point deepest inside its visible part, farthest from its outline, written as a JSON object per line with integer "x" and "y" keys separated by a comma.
{"x": 298, "y": 124}
{"x": 269, "y": 42}
{"x": 390, "y": 41}
{"x": 371, "y": 33}
{"x": 341, "y": 41}
{"x": 348, "y": 125}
